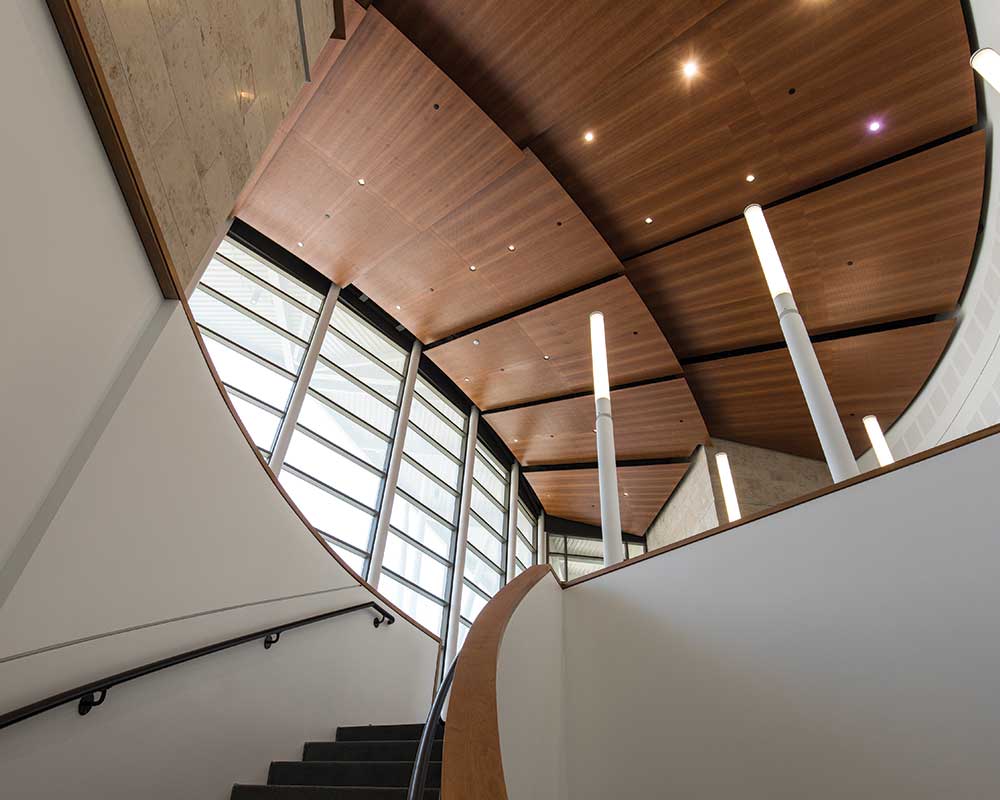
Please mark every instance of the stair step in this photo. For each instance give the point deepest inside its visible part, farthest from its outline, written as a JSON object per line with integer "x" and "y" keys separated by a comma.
{"x": 393, "y": 774}
{"x": 380, "y": 733}
{"x": 367, "y": 751}
{"x": 243, "y": 792}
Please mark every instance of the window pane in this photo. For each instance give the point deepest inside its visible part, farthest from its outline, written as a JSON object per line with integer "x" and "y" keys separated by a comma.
{"x": 239, "y": 328}
{"x": 578, "y": 568}
{"x": 439, "y": 430}
{"x": 416, "y": 566}
{"x": 333, "y": 469}
{"x": 262, "y": 425}
{"x": 360, "y": 365}
{"x": 344, "y": 433}
{"x": 488, "y": 479}
{"x": 558, "y": 566}
{"x": 261, "y": 301}
{"x": 435, "y": 400}
{"x": 524, "y": 552}
{"x": 481, "y": 574}
{"x": 375, "y": 411}
{"x": 329, "y": 513}
{"x": 426, "y": 454}
{"x": 359, "y": 331}
{"x": 353, "y": 560}
{"x": 425, "y": 611}
{"x": 463, "y": 631}
{"x": 483, "y": 454}
{"x": 492, "y": 515}
{"x": 248, "y": 376}
{"x": 518, "y": 567}
{"x": 557, "y": 544}
{"x": 634, "y": 550}
{"x": 423, "y": 489}
{"x": 584, "y": 547}
{"x": 261, "y": 269}
{"x": 472, "y": 603}
{"x": 416, "y": 524}
{"x": 485, "y": 542}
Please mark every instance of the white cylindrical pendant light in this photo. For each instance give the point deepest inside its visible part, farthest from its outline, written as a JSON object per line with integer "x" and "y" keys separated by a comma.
{"x": 986, "y": 62}
{"x": 728, "y": 487}
{"x": 826, "y": 420}
{"x": 607, "y": 469}
{"x": 879, "y": 444}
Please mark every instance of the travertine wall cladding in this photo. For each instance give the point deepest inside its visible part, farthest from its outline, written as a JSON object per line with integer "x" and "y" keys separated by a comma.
{"x": 201, "y": 87}
{"x": 691, "y": 508}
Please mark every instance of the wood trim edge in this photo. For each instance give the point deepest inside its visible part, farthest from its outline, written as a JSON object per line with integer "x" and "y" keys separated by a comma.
{"x": 82, "y": 55}
{"x": 916, "y": 458}
{"x": 472, "y": 764}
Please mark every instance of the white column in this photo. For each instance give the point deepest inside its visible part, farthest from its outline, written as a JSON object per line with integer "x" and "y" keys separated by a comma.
{"x": 542, "y": 543}
{"x": 298, "y": 397}
{"x": 515, "y": 474}
{"x": 611, "y": 521}
{"x": 881, "y": 447}
{"x": 461, "y": 539}
{"x": 826, "y": 420}
{"x": 395, "y": 459}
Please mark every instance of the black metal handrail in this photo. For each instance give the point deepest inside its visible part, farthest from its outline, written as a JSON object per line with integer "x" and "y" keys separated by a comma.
{"x": 418, "y": 780}
{"x": 94, "y": 693}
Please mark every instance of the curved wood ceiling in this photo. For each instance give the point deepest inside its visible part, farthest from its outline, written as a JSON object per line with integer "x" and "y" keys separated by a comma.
{"x": 466, "y": 123}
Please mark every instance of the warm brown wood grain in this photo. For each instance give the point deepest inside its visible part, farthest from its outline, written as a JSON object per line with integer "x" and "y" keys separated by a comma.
{"x": 656, "y": 420}
{"x": 756, "y": 399}
{"x": 472, "y": 764}
{"x": 528, "y": 64}
{"x": 575, "y": 493}
{"x": 916, "y": 458}
{"x": 679, "y": 149}
{"x": 556, "y": 249}
{"x": 890, "y": 244}
{"x": 508, "y": 366}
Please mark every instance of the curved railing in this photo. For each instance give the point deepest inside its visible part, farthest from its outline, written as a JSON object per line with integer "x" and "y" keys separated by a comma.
{"x": 472, "y": 767}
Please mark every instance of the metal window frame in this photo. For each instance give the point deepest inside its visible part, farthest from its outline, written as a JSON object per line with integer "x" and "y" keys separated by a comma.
{"x": 246, "y": 352}
{"x": 253, "y": 316}
{"x": 263, "y": 284}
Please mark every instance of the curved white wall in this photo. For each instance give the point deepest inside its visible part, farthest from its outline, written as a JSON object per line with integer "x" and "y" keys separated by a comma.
{"x": 963, "y": 394}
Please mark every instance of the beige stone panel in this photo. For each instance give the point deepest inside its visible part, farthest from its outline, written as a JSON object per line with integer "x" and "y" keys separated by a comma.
{"x": 185, "y": 195}
{"x": 181, "y": 52}
{"x": 230, "y": 121}
{"x": 166, "y": 14}
{"x": 138, "y": 47}
{"x": 691, "y": 508}
{"x": 256, "y": 135}
{"x": 273, "y": 39}
{"x": 219, "y": 193}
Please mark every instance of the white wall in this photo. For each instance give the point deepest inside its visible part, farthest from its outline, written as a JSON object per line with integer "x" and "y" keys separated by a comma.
{"x": 530, "y": 696}
{"x": 847, "y": 647}
{"x": 77, "y": 286}
{"x": 963, "y": 394}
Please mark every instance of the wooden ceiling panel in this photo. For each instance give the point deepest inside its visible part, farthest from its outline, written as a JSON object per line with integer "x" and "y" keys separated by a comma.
{"x": 528, "y": 64}
{"x": 678, "y": 149}
{"x": 343, "y": 227}
{"x": 574, "y": 493}
{"x": 656, "y": 420}
{"x": 508, "y": 366}
{"x": 556, "y": 249}
{"x": 387, "y": 114}
{"x": 890, "y": 244}
{"x": 756, "y": 399}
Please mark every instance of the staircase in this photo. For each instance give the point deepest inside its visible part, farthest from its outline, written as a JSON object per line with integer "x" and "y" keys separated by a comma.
{"x": 365, "y": 762}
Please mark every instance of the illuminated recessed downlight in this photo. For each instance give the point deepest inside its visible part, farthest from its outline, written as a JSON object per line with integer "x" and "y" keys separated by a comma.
{"x": 399, "y": 308}
{"x": 588, "y": 136}
{"x": 875, "y": 126}
{"x": 648, "y": 220}
{"x": 546, "y": 357}
{"x": 690, "y": 69}
{"x": 300, "y": 244}
{"x": 751, "y": 178}
{"x": 361, "y": 181}
{"x": 626, "y": 494}
{"x": 472, "y": 267}
{"x": 467, "y": 380}
{"x": 511, "y": 248}
{"x": 475, "y": 342}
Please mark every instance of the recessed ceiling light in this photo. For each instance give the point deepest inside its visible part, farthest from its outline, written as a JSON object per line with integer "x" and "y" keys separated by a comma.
{"x": 875, "y": 126}
{"x": 595, "y": 430}
{"x": 467, "y": 380}
{"x": 751, "y": 178}
{"x": 626, "y": 494}
{"x": 546, "y": 357}
{"x": 475, "y": 341}
{"x": 588, "y": 136}
{"x": 399, "y": 308}
{"x": 511, "y": 248}
{"x": 690, "y": 69}
{"x": 299, "y": 244}
{"x": 361, "y": 181}
{"x": 472, "y": 267}
{"x": 517, "y": 440}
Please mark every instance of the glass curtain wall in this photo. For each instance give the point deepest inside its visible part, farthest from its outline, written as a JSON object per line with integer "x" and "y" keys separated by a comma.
{"x": 420, "y": 551}
{"x": 256, "y": 322}
{"x": 527, "y": 542}
{"x": 575, "y": 556}
{"x": 338, "y": 455}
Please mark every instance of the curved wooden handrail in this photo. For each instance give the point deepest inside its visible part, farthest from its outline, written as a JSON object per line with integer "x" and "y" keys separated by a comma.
{"x": 472, "y": 768}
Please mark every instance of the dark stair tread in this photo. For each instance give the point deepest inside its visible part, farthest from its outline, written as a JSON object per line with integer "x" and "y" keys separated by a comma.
{"x": 372, "y": 733}
{"x": 248, "y": 792}
{"x": 348, "y": 773}
{"x": 384, "y": 750}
